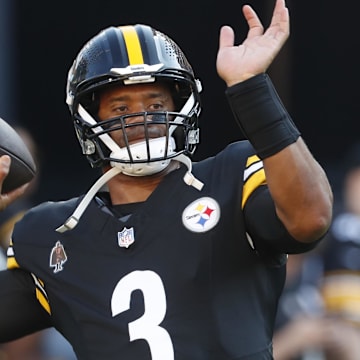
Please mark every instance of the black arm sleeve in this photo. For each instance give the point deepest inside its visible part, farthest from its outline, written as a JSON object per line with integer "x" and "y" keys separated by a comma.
{"x": 20, "y": 312}
{"x": 261, "y": 115}
{"x": 266, "y": 230}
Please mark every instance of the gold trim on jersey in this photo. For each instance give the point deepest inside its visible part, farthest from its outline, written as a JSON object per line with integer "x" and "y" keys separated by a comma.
{"x": 41, "y": 294}
{"x": 133, "y": 46}
{"x": 254, "y": 176}
{"x": 11, "y": 262}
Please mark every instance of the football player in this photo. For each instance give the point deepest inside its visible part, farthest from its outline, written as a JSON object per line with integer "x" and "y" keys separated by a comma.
{"x": 163, "y": 258}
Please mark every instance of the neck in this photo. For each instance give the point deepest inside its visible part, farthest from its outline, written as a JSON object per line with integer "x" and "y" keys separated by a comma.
{"x": 126, "y": 189}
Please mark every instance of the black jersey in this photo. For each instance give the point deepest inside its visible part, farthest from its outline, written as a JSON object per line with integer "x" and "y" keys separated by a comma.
{"x": 177, "y": 279}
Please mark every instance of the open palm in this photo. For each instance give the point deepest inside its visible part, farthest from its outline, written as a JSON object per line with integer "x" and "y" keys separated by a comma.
{"x": 236, "y": 63}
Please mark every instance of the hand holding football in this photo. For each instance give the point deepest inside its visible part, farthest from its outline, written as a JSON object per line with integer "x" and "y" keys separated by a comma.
{"x": 23, "y": 168}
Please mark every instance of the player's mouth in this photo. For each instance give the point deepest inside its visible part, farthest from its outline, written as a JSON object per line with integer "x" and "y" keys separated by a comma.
{"x": 136, "y": 134}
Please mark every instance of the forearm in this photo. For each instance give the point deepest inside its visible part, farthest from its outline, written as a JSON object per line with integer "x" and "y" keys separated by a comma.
{"x": 300, "y": 190}
{"x": 296, "y": 181}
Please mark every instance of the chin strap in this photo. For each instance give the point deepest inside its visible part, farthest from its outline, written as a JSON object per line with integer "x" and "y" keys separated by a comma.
{"x": 74, "y": 219}
{"x": 189, "y": 178}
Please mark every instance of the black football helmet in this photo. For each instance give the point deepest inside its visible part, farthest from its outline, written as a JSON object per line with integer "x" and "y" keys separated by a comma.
{"x": 125, "y": 55}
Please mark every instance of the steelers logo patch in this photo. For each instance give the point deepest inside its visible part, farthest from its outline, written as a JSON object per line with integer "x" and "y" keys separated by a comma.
{"x": 201, "y": 215}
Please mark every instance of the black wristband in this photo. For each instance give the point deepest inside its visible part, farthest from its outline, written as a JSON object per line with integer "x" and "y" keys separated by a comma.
{"x": 261, "y": 115}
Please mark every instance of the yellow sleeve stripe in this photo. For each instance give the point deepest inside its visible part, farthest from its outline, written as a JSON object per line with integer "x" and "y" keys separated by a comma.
{"x": 41, "y": 295}
{"x": 12, "y": 263}
{"x": 133, "y": 45}
{"x": 40, "y": 292}
{"x": 254, "y": 176}
{"x": 43, "y": 301}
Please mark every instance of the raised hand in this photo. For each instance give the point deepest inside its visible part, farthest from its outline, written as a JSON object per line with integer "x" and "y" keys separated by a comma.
{"x": 237, "y": 63}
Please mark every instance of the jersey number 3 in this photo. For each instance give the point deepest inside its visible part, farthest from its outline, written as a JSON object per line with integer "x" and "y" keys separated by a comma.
{"x": 147, "y": 326}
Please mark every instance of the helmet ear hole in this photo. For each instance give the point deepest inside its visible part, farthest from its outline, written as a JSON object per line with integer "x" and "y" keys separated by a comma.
{"x": 179, "y": 137}
{"x": 180, "y": 93}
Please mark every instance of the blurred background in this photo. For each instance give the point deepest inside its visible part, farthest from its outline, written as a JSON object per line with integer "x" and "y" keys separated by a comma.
{"x": 316, "y": 73}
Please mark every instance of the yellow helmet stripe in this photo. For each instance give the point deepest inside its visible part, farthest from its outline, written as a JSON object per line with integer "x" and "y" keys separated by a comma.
{"x": 133, "y": 45}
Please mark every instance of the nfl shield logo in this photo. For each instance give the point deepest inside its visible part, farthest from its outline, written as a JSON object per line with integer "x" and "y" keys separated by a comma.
{"x": 126, "y": 237}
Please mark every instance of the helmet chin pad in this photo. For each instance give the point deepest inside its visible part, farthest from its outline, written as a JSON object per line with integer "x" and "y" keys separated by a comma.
{"x": 143, "y": 164}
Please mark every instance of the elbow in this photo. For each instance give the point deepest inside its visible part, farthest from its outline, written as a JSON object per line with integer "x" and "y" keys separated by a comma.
{"x": 316, "y": 228}
{"x": 311, "y": 224}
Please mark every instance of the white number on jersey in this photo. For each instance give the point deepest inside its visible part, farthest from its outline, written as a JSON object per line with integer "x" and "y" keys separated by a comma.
{"x": 147, "y": 326}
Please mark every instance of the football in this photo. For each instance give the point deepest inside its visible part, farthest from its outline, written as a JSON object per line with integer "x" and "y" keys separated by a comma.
{"x": 23, "y": 168}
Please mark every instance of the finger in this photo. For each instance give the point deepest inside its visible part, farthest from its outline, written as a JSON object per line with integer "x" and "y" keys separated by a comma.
{"x": 280, "y": 19}
{"x": 5, "y": 162}
{"x": 4, "y": 166}
{"x": 227, "y": 37}
{"x": 279, "y": 6}
{"x": 255, "y": 26}
{"x": 4, "y": 201}
{"x": 8, "y": 198}
{"x": 280, "y": 14}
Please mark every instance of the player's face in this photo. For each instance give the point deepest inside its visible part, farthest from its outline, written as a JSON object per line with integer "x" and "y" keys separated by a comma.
{"x": 124, "y": 100}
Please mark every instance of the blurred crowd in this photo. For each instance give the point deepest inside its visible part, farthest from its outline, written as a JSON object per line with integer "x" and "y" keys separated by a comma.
{"x": 319, "y": 311}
